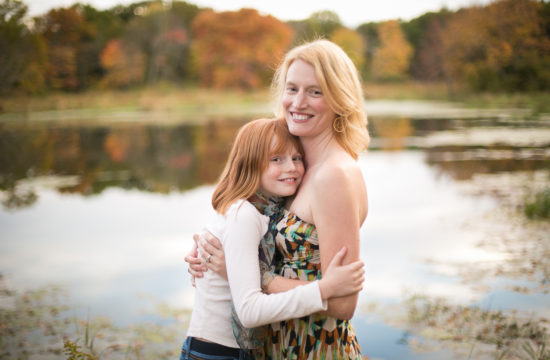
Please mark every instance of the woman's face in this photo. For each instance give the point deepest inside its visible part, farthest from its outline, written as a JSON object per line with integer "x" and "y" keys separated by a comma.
{"x": 306, "y": 110}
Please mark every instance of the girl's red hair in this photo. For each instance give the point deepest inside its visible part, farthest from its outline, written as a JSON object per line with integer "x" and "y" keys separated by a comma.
{"x": 256, "y": 141}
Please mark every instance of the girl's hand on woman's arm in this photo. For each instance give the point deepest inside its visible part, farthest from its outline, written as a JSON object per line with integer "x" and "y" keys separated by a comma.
{"x": 338, "y": 279}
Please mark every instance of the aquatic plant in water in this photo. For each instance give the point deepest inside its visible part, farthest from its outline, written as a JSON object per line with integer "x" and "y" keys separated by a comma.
{"x": 39, "y": 323}
{"x": 508, "y": 335}
{"x": 539, "y": 206}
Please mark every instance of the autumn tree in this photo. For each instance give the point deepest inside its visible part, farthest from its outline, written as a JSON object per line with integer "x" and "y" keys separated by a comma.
{"x": 392, "y": 58}
{"x": 424, "y": 35}
{"x": 65, "y": 33}
{"x": 102, "y": 26}
{"x": 238, "y": 48}
{"x": 23, "y": 54}
{"x": 502, "y": 46}
{"x": 352, "y": 43}
{"x": 429, "y": 57}
{"x": 161, "y": 38}
{"x": 124, "y": 65}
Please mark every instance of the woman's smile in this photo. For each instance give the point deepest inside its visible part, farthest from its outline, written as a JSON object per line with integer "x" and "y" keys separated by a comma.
{"x": 306, "y": 110}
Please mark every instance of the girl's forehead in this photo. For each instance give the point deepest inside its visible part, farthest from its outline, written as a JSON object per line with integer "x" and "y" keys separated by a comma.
{"x": 281, "y": 145}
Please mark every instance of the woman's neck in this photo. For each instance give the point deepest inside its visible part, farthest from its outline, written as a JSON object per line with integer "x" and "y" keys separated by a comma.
{"x": 318, "y": 148}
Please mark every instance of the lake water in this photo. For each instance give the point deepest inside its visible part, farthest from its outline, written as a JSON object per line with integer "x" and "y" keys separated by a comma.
{"x": 106, "y": 213}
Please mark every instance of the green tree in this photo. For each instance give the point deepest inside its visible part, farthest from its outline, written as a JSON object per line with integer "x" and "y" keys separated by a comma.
{"x": 323, "y": 23}
{"x": 66, "y": 34}
{"x": 320, "y": 24}
{"x": 101, "y": 27}
{"x": 424, "y": 35}
{"x": 162, "y": 39}
{"x": 303, "y": 32}
{"x": 369, "y": 33}
{"x": 22, "y": 59}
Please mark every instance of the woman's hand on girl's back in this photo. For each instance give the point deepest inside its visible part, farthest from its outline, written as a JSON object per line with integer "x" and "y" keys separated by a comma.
{"x": 196, "y": 266}
{"x": 341, "y": 280}
{"x": 211, "y": 248}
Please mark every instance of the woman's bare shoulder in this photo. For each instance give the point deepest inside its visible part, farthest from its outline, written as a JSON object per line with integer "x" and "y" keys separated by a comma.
{"x": 338, "y": 170}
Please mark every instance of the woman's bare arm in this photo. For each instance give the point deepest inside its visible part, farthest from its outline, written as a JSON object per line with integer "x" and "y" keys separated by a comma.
{"x": 338, "y": 215}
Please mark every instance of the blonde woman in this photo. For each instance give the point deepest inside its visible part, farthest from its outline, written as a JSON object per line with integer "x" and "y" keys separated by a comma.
{"x": 265, "y": 162}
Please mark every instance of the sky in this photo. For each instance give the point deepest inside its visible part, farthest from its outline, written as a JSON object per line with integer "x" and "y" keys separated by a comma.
{"x": 351, "y": 12}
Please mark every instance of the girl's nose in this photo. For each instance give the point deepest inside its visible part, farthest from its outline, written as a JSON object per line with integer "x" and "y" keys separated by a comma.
{"x": 290, "y": 165}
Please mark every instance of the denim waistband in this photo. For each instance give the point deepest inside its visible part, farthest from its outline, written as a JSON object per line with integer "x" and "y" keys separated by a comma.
{"x": 209, "y": 348}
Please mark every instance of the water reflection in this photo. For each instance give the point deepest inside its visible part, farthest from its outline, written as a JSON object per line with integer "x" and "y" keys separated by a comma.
{"x": 92, "y": 159}
{"x": 160, "y": 159}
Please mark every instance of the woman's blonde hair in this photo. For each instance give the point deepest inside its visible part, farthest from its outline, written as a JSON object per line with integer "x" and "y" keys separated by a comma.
{"x": 255, "y": 143}
{"x": 339, "y": 80}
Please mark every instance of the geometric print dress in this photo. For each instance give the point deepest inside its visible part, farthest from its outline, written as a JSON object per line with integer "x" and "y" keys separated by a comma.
{"x": 297, "y": 256}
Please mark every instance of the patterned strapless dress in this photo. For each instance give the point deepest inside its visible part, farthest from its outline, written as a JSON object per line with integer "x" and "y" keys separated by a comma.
{"x": 314, "y": 336}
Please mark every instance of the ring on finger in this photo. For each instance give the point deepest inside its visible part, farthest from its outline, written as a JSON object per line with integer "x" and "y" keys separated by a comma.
{"x": 208, "y": 258}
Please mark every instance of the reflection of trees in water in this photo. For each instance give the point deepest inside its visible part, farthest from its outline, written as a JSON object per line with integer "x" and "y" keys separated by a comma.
{"x": 392, "y": 127}
{"x": 462, "y": 162}
{"x": 145, "y": 157}
{"x": 392, "y": 133}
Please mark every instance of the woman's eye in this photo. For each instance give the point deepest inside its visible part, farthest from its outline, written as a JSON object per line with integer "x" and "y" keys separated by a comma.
{"x": 316, "y": 93}
{"x": 290, "y": 89}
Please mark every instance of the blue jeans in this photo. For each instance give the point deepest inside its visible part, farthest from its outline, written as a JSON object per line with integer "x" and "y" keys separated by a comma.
{"x": 194, "y": 349}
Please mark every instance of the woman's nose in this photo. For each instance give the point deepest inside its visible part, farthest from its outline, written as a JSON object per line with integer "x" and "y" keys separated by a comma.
{"x": 299, "y": 100}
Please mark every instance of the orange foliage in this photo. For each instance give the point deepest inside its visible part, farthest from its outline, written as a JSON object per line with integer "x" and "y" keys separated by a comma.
{"x": 393, "y": 132}
{"x": 177, "y": 36}
{"x": 124, "y": 66}
{"x": 392, "y": 58}
{"x": 497, "y": 45}
{"x": 238, "y": 48}
{"x": 116, "y": 145}
{"x": 111, "y": 54}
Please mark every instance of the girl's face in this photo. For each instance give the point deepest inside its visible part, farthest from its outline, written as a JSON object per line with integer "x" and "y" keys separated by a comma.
{"x": 283, "y": 174}
{"x": 306, "y": 110}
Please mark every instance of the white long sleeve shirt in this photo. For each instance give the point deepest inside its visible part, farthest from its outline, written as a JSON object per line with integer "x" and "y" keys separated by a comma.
{"x": 240, "y": 232}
